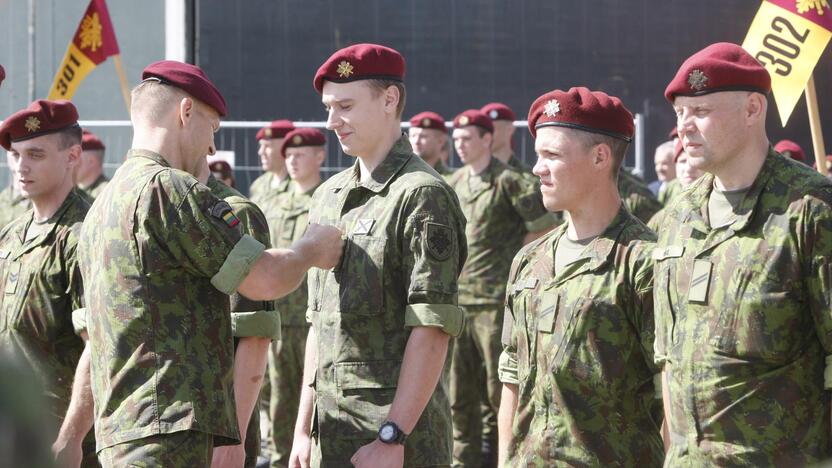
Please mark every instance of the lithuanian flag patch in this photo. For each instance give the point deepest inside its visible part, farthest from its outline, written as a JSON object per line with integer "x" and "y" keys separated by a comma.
{"x": 230, "y": 219}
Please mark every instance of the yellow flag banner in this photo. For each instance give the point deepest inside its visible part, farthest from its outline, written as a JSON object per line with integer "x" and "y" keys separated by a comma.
{"x": 94, "y": 41}
{"x": 788, "y": 38}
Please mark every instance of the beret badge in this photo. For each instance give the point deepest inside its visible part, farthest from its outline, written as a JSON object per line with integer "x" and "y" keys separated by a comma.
{"x": 551, "y": 108}
{"x": 464, "y": 120}
{"x": 297, "y": 140}
{"x": 697, "y": 80}
{"x": 345, "y": 69}
{"x": 32, "y": 124}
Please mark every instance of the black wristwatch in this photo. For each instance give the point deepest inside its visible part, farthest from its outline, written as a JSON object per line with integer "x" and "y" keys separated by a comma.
{"x": 389, "y": 433}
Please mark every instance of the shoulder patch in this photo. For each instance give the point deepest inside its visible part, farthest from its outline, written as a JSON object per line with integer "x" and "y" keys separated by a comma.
{"x": 222, "y": 210}
{"x": 439, "y": 241}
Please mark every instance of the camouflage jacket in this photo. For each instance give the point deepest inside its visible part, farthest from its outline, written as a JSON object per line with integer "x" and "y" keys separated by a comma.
{"x": 516, "y": 163}
{"x": 40, "y": 286}
{"x": 265, "y": 189}
{"x": 501, "y": 207}
{"x": 578, "y": 343}
{"x": 11, "y": 206}
{"x": 442, "y": 169}
{"x": 288, "y": 219}
{"x": 638, "y": 199}
{"x": 668, "y": 190}
{"x": 96, "y": 187}
{"x": 744, "y": 322}
{"x": 248, "y": 318}
{"x": 405, "y": 247}
{"x": 159, "y": 254}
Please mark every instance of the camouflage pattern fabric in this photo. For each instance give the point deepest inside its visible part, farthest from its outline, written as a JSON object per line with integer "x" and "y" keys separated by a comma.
{"x": 669, "y": 190}
{"x": 287, "y": 218}
{"x": 40, "y": 286}
{"x": 249, "y": 318}
{"x": 264, "y": 188}
{"x": 638, "y": 199}
{"x": 515, "y": 163}
{"x": 443, "y": 170}
{"x": 405, "y": 246}
{"x": 578, "y": 344}
{"x": 23, "y": 417}
{"x": 475, "y": 385}
{"x": 744, "y": 322}
{"x": 11, "y": 206}
{"x": 159, "y": 254}
{"x": 179, "y": 449}
{"x": 501, "y": 207}
{"x": 96, "y": 187}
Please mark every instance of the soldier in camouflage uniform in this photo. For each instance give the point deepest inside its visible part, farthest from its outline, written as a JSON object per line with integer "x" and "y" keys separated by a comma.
{"x": 381, "y": 322}
{"x": 12, "y": 202}
{"x": 159, "y": 254}
{"x": 504, "y": 210}
{"x": 686, "y": 175}
{"x": 577, "y": 365}
{"x": 742, "y": 281}
{"x": 428, "y": 136}
{"x": 40, "y": 282}
{"x": 254, "y": 325}
{"x": 637, "y": 198}
{"x": 275, "y": 180}
{"x": 89, "y": 175}
{"x": 502, "y": 147}
{"x": 304, "y": 152}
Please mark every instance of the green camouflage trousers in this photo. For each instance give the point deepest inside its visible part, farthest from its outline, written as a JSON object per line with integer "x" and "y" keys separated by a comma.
{"x": 474, "y": 380}
{"x": 185, "y": 448}
{"x": 285, "y": 377}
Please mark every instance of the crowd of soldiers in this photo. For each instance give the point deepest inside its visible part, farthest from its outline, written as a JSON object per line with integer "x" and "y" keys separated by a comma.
{"x": 400, "y": 313}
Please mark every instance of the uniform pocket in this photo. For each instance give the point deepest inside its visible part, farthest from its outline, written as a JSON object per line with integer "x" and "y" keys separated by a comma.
{"x": 365, "y": 391}
{"x": 361, "y": 276}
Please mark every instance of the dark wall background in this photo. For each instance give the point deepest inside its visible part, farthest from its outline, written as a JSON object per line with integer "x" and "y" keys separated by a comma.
{"x": 464, "y": 53}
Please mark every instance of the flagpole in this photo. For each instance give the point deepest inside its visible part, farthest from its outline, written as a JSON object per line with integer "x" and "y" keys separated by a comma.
{"x": 122, "y": 78}
{"x": 814, "y": 125}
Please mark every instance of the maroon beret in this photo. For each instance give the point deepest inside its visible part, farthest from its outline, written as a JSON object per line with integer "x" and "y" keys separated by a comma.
{"x": 498, "y": 111}
{"x": 188, "y": 78}
{"x": 428, "y": 120}
{"x": 276, "y": 129}
{"x": 222, "y": 168}
{"x": 360, "y": 62}
{"x": 2, "y": 74}
{"x": 719, "y": 67}
{"x": 795, "y": 151}
{"x": 474, "y": 117}
{"x": 303, "y": 137}
{"x": 677, "y": 150}
{"x": 90, "y": 142}
{"x": 580, "y": 108}
{"x": 42, "y": 117}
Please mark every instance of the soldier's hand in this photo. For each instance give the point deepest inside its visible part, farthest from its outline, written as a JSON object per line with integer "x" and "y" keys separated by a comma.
{"x": 327, "y": 245}
{"x": 301, "y": 450}
{"x": 377, "y": 454}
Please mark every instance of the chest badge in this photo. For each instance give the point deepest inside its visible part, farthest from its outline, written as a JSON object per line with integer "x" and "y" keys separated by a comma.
{"x": 363, "y": 227}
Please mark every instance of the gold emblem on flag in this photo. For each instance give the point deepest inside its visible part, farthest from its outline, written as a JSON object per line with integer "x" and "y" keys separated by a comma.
{"x": 805, "y": 5}
{"x": 297, "y": 139}
{"x": 32, "y": 124}
{"x": 345, "y": 69}
{"x": 90, "y": 33}
{"x": 697, "y": 80}
{"x": 426, "y": 122}
{"x": 551, "y": 108}
{"x": 464, "y": 120}
{"x": 268, "y": 133}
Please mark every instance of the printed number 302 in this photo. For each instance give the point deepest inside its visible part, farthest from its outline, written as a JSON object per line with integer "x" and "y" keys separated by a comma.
{"x": 779, "y": 51}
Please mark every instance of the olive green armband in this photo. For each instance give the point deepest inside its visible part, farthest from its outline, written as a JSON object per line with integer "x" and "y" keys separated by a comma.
{"x": 448, "y": 317}
{"x": 79, "y": 320}
{"x": 507, "y": 368}
{"x": 262, "y": 323}
{"x": 238, "y": 264}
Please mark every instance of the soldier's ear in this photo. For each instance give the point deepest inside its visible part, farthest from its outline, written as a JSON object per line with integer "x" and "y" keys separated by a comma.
{"x": 602, "y": 155}
{"x": 186, "y": 111}
{"x": 74, "y": 155}
{"x": 755, "y": 107}
{"x": 391, "y": 99}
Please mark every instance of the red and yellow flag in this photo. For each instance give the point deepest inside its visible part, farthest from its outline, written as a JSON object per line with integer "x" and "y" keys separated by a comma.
{"x": 788, "y": 38}
{"x": 94, "y": 41}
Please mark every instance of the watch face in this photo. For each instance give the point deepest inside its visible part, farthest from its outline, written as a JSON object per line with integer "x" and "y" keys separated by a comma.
{"x": 387, "y": 432}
